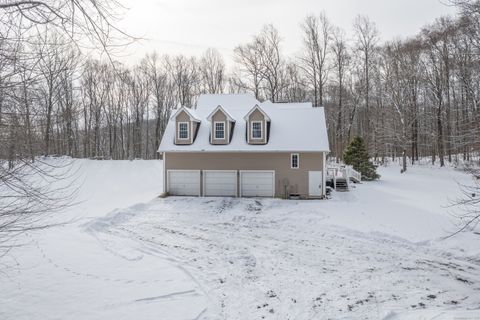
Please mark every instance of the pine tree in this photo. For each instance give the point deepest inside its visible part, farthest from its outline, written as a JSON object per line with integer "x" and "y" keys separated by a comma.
{"x": 356, "y": 155}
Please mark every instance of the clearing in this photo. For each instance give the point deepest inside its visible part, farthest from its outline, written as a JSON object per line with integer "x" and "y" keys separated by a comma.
{"x": 373, "y": 253}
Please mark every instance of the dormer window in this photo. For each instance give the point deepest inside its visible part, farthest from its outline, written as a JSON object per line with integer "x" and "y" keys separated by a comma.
{"x": 222, "y": 125}
{"x": 183, "y": 132}
{"x": 186, "y": 125}
{"x": 257, "y": 130}
{"x": 257, "y": 126}
{"x": 220, "y": 130}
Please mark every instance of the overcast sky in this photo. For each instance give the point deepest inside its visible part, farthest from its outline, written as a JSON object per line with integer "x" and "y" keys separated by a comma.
{"x": 191, "y": 26}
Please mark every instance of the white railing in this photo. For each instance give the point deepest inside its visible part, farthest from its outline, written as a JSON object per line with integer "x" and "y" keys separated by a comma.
{"x": 353, "y": 174}
{"x": 335, "y": 173}
{"x": 343, "y": 172}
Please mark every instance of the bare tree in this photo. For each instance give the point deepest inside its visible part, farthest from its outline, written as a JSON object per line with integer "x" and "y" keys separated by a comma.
{"x": 399, "y": 62}
{"x": 250, "y": 67}
{"x": 162, "y": 92}
{"x": 273, "y": 65}
{"x": 341, "y": 60}
{"x": 437, "y": 76}
{"x": 317, "y": 35}
{"x": 139, "y": 94}
{"x": 30, "y": 193}
{"x": 467, "y": 207}
{"x": 366, "y": 37}
{"x": 212, "y": 71}
{"x": 37, "y": 86}
{"x": 184, "y": 74}
{"x": 295, "y": 84}
{"x": 89, "y": 23}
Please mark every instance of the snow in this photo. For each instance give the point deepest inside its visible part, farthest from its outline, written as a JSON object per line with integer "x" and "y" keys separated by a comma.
{"x": 377, "y": 252}
{"x": 228, "y": 101}
{"x": 67, "y": 273}
{"x": 293, "y": 128}
{"x": 296, "y": 105}
{"x": 229, "y": 117}
{"x": 191, "y": 112}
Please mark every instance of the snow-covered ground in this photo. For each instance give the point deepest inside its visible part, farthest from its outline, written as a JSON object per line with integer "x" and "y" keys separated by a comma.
{"x": 374, "y": 253}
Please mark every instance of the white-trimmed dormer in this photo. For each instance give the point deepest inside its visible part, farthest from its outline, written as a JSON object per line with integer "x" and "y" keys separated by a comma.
{"x": 221, "y": 126}
{"x": 186, "y": 126}
{"x": 257, "y": 125}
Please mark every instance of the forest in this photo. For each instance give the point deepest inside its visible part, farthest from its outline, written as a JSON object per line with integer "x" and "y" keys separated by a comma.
{"x": 410, "y": 98}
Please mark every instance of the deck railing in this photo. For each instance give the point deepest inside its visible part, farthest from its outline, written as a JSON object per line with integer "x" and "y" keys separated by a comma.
{"x": 353, "y": 174}
{"x": 343, "y": 172}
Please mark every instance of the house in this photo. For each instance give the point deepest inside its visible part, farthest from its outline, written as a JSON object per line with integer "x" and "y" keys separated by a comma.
{"x": 233, "y": 145}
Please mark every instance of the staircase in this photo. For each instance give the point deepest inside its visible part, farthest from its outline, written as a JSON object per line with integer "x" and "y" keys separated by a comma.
{"x": 341, "y": 185}
{"x": 340, "y": 177}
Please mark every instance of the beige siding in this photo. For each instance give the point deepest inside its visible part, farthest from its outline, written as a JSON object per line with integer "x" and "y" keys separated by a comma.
{"x": 296, "y": 179}
{"x": 257, "y": 116}
{"x": 219, "y": 116}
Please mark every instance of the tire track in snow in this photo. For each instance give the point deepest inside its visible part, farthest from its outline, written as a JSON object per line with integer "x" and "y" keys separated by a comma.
{"x": 239, "y": 255}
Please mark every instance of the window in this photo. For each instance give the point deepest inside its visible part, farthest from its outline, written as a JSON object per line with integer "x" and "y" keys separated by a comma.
{"x": 294, "y": 161}
{"x": 219, "y": 130}
{"x": 257, "y": 130}
{"x": 183, "y": 133}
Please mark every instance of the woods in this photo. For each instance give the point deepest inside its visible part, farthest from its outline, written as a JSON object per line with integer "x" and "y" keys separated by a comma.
{"x": 408, "y": 98}
{"x": 41, "y": 46}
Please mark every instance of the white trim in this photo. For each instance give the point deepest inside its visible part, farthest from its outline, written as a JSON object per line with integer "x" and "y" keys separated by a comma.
{"x": 324, "y": 166}
{"x": 188, "y": 111}
{"x": 227, "y": 115}
{"x": 201, "y": 191}
{"x": 231, "y": 171}
{"x": 240, "y": 184}
{"x": 164, "y": 160}
{"x": 241, "y": 151}
{"x": 322, "y": 192}
{"x": 188, "y": 130}
{"x": 180, "y": 170}
{"x": 261, "y": 129}
{"x": 291, "y": 160}
{"x": 228, "y": 131}
{"x": 191, "y": 130}
{"x": 212, "y": 131}
{"x": 256, "y": 107}
{"x": 265, "y": 128}
{"x": 215, "y": 130}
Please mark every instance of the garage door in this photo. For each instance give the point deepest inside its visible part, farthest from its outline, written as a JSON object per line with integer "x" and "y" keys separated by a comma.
{"x": 184, "y": 182}
{"x": 219, "y": 183}
{"x": 257, "y": 183}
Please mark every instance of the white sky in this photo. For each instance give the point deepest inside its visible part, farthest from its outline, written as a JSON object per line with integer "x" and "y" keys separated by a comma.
{"x": 191, "y": 26}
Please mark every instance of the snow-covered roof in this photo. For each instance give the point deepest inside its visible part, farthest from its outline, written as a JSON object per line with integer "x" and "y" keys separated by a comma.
{"x": 191, "y": 112}
{"x": 293, "y": 126}
{"x": 227, "y": 101}
{"x": 225, "y": 112}
{"x": 256, "y": 107}
{"x": 296, "y": 105}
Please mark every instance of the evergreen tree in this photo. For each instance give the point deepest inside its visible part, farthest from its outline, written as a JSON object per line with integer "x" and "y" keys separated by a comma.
{"x": 356, "y": 155}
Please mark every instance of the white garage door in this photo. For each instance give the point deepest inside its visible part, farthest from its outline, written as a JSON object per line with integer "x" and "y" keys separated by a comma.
{"x": 184, "y": 182}
{"x": 257, "y": 183}
{"x": 219, "y": 183}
